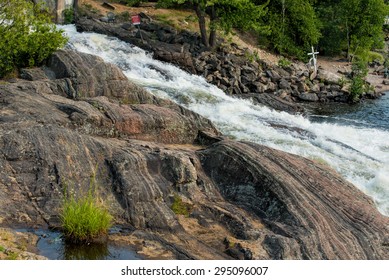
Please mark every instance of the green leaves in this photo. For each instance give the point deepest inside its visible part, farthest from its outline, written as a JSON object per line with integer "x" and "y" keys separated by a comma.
{"x": 28, "y": 35}
{"x": 242, "y": 14}
{"x": 224, "y": 15}
{"x": 293, "y": 25}
{"x": 352, "y": 25}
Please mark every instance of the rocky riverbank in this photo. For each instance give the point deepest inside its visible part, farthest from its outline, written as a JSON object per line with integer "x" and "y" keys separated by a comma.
{"x": 166, "y": 174}
{"x": 236, "y": 70}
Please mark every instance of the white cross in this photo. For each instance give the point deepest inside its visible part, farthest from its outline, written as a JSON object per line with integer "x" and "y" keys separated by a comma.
{"x": 312, "y": 61}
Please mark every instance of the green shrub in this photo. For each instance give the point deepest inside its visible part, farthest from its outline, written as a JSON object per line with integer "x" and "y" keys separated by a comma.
{"x": 284, "y": 62}
{"x": 30, "y": 39}
{"x": 357, "y": 88}
{"x": 372, "y": 56}
{"x": 359, "y": 71}
{"x": 84, "y": 219}
{"x": 68, "y": 15}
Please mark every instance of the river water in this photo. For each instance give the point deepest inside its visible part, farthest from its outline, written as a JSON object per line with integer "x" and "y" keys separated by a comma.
{"x": 354, "y": 140}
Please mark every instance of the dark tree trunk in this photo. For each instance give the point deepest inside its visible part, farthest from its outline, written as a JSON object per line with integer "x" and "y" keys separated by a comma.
{"x": 212, "y": 35}
{"x": 203, "y": 28}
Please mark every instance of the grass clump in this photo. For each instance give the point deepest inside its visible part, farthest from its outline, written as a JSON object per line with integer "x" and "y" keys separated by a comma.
{"x": 2, "y": 249}
{"x": 84, "y": 219}
{"x": 284, "y": 62}
{"x": 179, "y": 207}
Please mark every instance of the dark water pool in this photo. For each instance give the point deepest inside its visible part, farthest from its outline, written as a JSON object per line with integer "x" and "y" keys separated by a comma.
{"x": 369, "y": 113}
{"x": 52, "y": 245}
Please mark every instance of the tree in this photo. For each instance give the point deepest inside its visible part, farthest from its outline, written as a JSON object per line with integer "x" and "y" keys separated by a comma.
{"x": 352, "y": 25}
{"x": 294, "y": 26}
{"x": 223, "y": 14}
{"x": 27, "y": 35}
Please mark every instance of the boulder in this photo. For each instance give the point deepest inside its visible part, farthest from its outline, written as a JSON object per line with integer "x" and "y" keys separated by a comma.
{"x": 302, "y": 87}
{"x": 271, "y": 87}
{"x": 329, "y": 77}
{"x": 311, "y": 97}
{"x": 283, "y": 84}
{"x": 316, "y": 88}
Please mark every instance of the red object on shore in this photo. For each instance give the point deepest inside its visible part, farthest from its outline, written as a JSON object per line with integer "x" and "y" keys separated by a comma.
{"x": 135, "y": 20}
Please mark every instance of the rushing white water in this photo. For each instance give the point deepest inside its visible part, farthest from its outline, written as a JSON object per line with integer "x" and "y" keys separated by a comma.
{"x": 360, "y": 154}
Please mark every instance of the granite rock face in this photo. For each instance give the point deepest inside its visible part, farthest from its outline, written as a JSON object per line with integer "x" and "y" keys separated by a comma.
{"x": 63, "y": 123}
{"x": 312, "y": 212}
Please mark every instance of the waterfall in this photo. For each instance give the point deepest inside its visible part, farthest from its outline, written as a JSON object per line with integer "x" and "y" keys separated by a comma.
{"x": 359, "y": 153}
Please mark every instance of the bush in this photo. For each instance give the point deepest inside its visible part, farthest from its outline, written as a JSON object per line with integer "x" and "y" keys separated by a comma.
{"x": 358, "y": 84}
{"x": 374, "y": 56}
{"x": 68, "y": 16}
{"x": 84, "y": 219}
{"x": 357, "y": 88}
{"x": 284, "y": 62}
{"x": 27, "y": 35}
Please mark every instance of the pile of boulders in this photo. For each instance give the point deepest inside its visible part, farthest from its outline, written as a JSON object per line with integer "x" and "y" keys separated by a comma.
{"x": 235, "y": 74}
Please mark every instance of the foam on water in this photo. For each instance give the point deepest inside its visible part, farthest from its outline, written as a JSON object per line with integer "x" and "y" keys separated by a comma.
{"x": 360, "y": 154}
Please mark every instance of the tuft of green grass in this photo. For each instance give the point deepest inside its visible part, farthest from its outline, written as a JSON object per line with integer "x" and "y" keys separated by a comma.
{"x": 2, "y": 249}
{"x": 84, "y": 219}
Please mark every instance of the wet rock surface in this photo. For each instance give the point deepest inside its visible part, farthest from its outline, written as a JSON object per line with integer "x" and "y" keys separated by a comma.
{"x": 237, "y": 200}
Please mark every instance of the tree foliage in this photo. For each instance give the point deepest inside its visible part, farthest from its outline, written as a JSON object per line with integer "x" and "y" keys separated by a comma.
{"x": 27, "y": 35}
{"x": 223, "y": 15}
{"x": 352, "y": 25}
{"x": 294, "y": 26}
{"x": 291, "y": 27}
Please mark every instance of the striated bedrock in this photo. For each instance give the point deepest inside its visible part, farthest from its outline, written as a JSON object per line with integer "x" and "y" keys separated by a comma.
{"x": 77, "y": 116}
